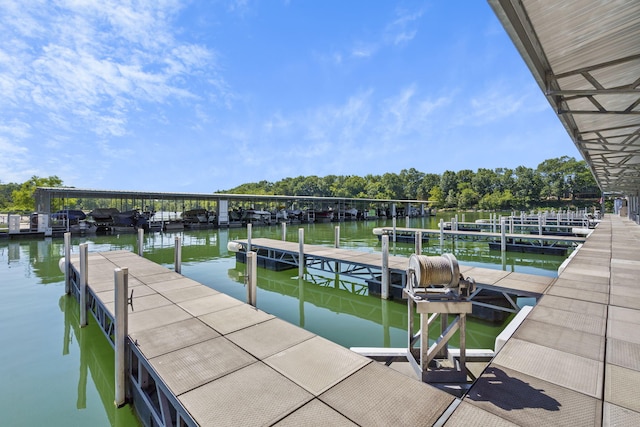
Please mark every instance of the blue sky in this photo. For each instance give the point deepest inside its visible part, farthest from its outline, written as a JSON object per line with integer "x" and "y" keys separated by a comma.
{"x": 200, "y": 96}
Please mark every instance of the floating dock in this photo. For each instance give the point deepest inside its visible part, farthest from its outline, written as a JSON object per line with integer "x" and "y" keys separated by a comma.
{"x": 199, "y": 357}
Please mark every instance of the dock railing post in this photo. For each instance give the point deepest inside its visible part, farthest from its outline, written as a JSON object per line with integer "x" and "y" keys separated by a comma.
{"x": 300, "y": 252}
{"x": 539, "y": 224}
{"x": 140, "y": 241}
{"x": 336, "y": 244}
{"x": 384, "y": 285}
{"x": 406, "y": 221}
{"x": 441, "y": 233}
{"x": 67, "y": 262}
{"x": 284, "y": 231}
{"x": 503, "y": 237}
{"x": 121, "y": 285}
{"x": 249, "y": 232}
{"x": 84, "y": 277}
{"x": 177, "y": 255}
{"x": 418, "y": 242}
{"x": 252, "y": 277}
{"x": 393, "y": 221}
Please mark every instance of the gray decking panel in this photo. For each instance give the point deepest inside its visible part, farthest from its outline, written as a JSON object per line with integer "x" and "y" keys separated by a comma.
{"x": 614, "y": 415}
{"x": 371, "y": 397}
{"x": 573, "y": 306}
{"x": 622, "y": 330}
{"x": 269, "y": 337}
{"x": 581, "y": 294}
{"x": 189, "y": 293}
{"x": 564, "y": 369}
{"x": 251, "y": 396}
{"x": 528, "y": 401}
{"x": 313, "y": 414}
{"x": 621, "y": 387}
{"x": 149, "y": 319}
{"x": 576, "y": 284}
{"x": 623, "y": 353}
{"x": 469, "y": 415}
{"x": 187, "y": 368}
{"x": 173, "y": 283}
{"x": 235, "y": 318}
{"x": 316, "y": 364}
{"x": 208, "y": 304}
{"x": 586, "y": 321}
{"x": 563, "y": 339}
{"x": 167, "y": 338}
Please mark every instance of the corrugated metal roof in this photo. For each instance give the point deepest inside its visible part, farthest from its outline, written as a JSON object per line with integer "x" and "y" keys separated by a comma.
{"x": 585, "y": 56}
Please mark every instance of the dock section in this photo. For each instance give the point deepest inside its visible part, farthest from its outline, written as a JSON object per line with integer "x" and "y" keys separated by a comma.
{"x": 368, "y": 266}
{"x": 575, "y": 360}
{"x": 200, "y": 357}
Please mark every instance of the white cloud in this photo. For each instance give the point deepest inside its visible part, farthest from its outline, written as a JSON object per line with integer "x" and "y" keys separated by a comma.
{"x": 402, "y": 29}
{"x": 93, "y": 62}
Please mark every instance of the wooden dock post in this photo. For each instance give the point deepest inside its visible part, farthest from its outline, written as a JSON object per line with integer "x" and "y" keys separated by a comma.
{"x": 249, "y": 232}
{"x": 441, "y": 232}
{"x": 121, "y": 285}
{"x": 177, "y": 255}
{"x": 406, "y": 221}
{"x": 252, "y": 277}
{"x": 67, "y": 262}
{"x": 84, "y": 277}
{"x": 140, "y": 241}
{"x": 503, "y": 237}
{"x": 418, "y": 238}
{"x": 384, "y": 285}
{"x": 301, "y": 252}
{"x": 284, "y": 231}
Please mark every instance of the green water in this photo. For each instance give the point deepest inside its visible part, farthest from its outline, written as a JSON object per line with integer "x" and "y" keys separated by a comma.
{"x": 54, "y": 373}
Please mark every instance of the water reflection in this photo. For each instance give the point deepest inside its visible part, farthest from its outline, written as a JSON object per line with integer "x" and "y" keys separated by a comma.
{"x": 96, "y": 360}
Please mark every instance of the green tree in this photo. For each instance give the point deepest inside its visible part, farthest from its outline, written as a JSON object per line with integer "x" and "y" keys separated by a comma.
{"x": 465, "y": 178}
{"x": 436, "y": 196}
{"x": 484, "y": 181}
{"x": 6, "y": 191}
{"x": 448, "y": 182}
{"x": 527, "y": 186}
{"x": 554, "y": 173}
{"x": 411, "y": 181}
{"x": 429, "y": 181}
{"x": 467, "y": 198}
{"x": 23, "y": 199}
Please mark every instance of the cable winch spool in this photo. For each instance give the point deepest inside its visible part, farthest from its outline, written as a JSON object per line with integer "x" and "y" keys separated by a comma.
{"x": 438, "y": 271}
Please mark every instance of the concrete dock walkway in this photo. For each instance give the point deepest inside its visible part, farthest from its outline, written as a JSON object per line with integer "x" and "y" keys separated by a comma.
{"x": 576, "y": 359}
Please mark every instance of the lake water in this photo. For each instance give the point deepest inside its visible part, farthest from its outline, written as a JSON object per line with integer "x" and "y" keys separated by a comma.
{"x": 54, "y": 373}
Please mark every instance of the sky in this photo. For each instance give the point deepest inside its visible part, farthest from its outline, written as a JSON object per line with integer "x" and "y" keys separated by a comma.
{"x": 202, "y": 96}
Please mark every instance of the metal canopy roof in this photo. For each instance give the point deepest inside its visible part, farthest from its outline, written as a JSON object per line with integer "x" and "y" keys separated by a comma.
{"x": 585, "y": 56}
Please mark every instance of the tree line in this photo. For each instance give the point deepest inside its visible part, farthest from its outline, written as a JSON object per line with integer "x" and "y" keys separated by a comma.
{"x": 553, "y": 181}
